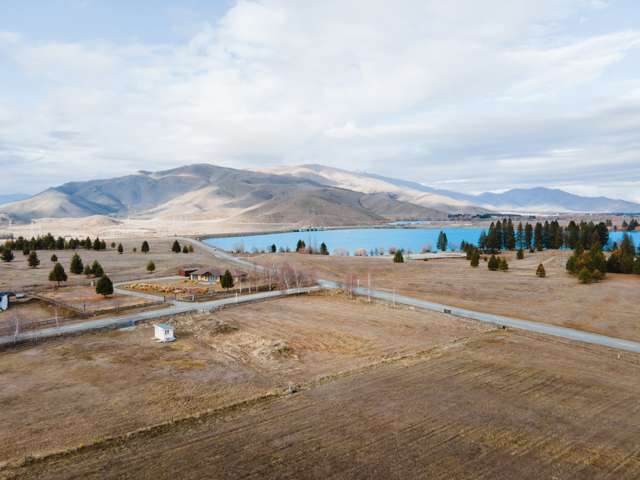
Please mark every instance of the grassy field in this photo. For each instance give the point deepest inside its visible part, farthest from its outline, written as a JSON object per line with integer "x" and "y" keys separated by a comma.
{"x": 71, "y": 391}
{"x": 501, "y": 405}
{"x": 17, "y": 276}
{"x": 609, "y": 307}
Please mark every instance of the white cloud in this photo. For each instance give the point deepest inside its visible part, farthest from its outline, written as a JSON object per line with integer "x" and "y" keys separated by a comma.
{"x": 499, "y": 92}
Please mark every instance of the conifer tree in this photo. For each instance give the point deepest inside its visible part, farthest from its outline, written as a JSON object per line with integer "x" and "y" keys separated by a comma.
{"x": 120, "y": 248}
{"x": 175, "y": 248}
{"x": 503, "y": 266}
{"x": 7, "y": 255}
{"x": 76, "y": 264}
{"x": 96, "y": 269}
{"x": 226, "y": 280}
{"x": 33, "y": 259}
{"x": 397, "y": 257}
{"x": 58, "y": 274}
{"x": 493, "y": 263}
{"x": 144, "y": 248}
{"x": 540, "y": 271}
{"x": 104, "y": 286}
{"x": 323, "y": 249}
{"x": 520, "y": 254}
{"x": 54, "y": 258}
{"x": 475, "y": 258}
{"x": 151, "y": 266}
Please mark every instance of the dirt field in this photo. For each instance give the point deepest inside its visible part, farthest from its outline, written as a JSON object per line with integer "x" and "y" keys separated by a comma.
{"x": 17, "y": 276}
{"x": 504, "y": 405}
{"x": 609, "y": 307}
{"x": 72, "y": 391}
{"x": 85, "y": 299}
{"x": 34, "y": 313}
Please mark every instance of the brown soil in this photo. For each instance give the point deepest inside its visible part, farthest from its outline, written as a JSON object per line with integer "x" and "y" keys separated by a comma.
{"x": 608, "y": 307}
{"x": 85, "y": 299}
{"x": 501, "y": 406}
{"x": 73, "y": 391}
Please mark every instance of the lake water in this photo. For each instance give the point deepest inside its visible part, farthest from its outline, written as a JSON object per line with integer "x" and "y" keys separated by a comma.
{"x": 370, "y": 239}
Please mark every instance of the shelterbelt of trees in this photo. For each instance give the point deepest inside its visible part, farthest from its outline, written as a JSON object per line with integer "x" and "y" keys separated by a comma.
{"x": 49, "y": 242}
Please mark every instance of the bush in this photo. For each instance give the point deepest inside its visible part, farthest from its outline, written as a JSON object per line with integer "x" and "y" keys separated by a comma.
{"x": 520, "y": 254}
{"x": 597, "y": 275}
{"x": 151, "y": 266}
{"x": 104, "y": 286}
{"x": 585, "y": 276}
{"x": 475, "y": 259}
{"x": 503, "y": 266}
{"x": 54, "y": 258}
{"x": 398, "y": 258}
{"x": 185, "y": 249}
{"x": 541, "y": 272}
{"x": 7, "y": 255}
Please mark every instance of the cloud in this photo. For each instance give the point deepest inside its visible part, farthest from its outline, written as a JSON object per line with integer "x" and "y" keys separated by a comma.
{"x": 495, "y": 94}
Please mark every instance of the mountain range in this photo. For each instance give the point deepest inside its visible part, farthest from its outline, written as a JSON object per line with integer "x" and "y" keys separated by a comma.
{"x": 294, "y": 195}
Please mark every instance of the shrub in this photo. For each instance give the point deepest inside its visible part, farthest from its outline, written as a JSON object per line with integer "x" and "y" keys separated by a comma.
{"x": 585, "y": 276}
{"x": 503, "y": 266}
{"x": 597, "y": 275}
{"x": 104, "y": 286}
{"x": 398, "y": 258}
{"x": 475, "y": 258}
{"x": 54, "y": 258}
{"x": 151, "y": 266}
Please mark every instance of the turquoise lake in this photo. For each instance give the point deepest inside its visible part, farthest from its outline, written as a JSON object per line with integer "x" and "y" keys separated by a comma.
{"x": 369, "y": 239}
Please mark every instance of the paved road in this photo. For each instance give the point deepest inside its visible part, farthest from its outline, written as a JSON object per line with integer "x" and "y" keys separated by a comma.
{"x": 537, "y": 327}
{"x": 132, "y": 319}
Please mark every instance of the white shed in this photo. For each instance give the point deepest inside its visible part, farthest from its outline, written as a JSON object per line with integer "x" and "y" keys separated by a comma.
{"x": 163, "y": 332}
{"x": 4, "y": 301}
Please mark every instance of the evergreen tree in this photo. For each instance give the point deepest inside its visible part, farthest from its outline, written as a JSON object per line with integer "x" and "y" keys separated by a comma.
{"x": 176, "y": 248}
{"x": 494, "y": 263}
{"x": 510, "y": 237}
{"x": 33, "y": 259}
{"x": 323, "y": 249}
{"x": 520, "y": 237}
{"x": 528, "y": 236}
{"x": 185, "y": 249}
{"x": 120, "y": 248}
{"x": 104, "y": 286}
{"x": 113, "y": 244}
{"x": 274, "y": 249}
{"x": 96, "y": 269}
{"x": 190, "y": 248}
{"x": 54, "y": 258}
{"x": 300, "y": 246}
{"x": 397, "y": 257}
{"x": 76, "y": 266}
{"x": 26, "y": 252}
{"x": 442, "y": 241}
{"x": 226, "y": 280}
{"x": 503, "y": 266}
{"x": 144, "y": 248}
{"x": 540, "y": 271}
{"x": 585, "y": 276}
{"x": 97, "y": 244}
{"x": 87, "y": 270}
{"x": 58, "y": 274}
{"x": 151, "y": 266}
{"x": 538, "y": 237}
{"x": 7, "y": 255}
{"x": 475, "y": 258}
{"x": 520, "y": 254}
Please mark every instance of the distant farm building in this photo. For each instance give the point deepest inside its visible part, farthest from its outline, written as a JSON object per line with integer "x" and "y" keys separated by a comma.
{"x": 163, "y": 332}
{"x": 187, "y": 270}
{"x": 213, "y": 274}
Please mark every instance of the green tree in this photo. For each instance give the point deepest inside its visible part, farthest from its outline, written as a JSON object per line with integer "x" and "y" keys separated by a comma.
{"x": 442, "y": 241}
{"x": 104, "y": 286}
{"x": 96, "y": 269}
{"x": 226, "y": 280}
{"x": 113, "y": 244}
{"x": 54, "y": 258}
{"x": 144, "y": 248}
{"x": 87, "y": 270}
{"x": 33, "y": 260}
{"x": 26, "y": 252}
{"x": 58, "y": 274}
{"x": 323, "y": 249}
{"x": 190, "y": 248}
{"x": 493, "y": 263}
{"x": 274, "y": 249}
{"x": 397, "y": 257}
{"x": 7, "y": 255}
{"x": 151, "y": 266}
{"x": 175, "y": 248}
{"x": 520, "y": 254}
{"x": 540, "y": 271}
{"x": 585, "y": 276}
{"x": 475, "y": 258}
{"x": 76, "y": 266}
{"x": 120, "y": 248}
{"x": 185, "y": 249}
{"x": 300, "y": 246}
{"x": 503, "y": 266}
{"x": 97, "y": 244}
{"x": 538, "y": 239}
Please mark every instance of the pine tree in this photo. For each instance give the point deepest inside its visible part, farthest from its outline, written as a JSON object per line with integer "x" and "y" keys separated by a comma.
{"x": 76, "y": 264}
{"x": 104, "y": 286}
{"x": 397, "y": 257}
{"x": 185, "y": 249}
{"x": 226, "y": 280}
{"x": 151, "y": 266}
{"x": 528, "y": 236}
{"x": 33, "y": 259}
{"x": 145, "y": 247}
{"x": 540, "y": 271}
{"x": 300, "y": 246}
{"x": 54, "y": 258}
{"x": 97, "y": 244}
{"x": 96, "y": 269}
{"x": 538, "y": 237}
{"x": 585, "y": 276}
{"x": 503, "y": 266}
{"x": 175, "y": 248}
{"x": 274, "y": 249}
{"x": 323, "y": 249}
{"x": 58, "y": 274}
{"x": 493, "y": 263}
{"x": 475, "y": 258}
{"x": 442, "y": 241}
{"x": 7, "y": 255}
{"x": 120, "y": 248}
{"x": 87, "y": 270}
{"x": 520, "y": 237}
{"x": 520, "y": 254}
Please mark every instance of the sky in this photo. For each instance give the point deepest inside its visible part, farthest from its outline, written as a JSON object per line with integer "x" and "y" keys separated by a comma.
{"x": 464, "y": 95}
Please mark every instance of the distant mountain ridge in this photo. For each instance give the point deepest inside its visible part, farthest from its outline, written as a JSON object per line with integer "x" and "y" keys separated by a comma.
{"x": 290, "y": 195}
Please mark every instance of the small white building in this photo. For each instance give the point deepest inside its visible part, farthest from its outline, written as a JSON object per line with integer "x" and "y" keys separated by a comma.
{"x": 163, "y": 332}
{"x": 4, "y": 301}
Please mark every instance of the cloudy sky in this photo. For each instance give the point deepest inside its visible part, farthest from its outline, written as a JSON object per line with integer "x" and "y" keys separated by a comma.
{"x": 465, "y": 95}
